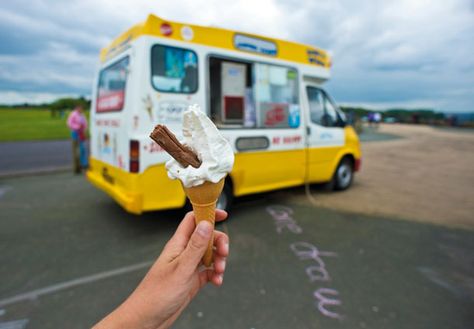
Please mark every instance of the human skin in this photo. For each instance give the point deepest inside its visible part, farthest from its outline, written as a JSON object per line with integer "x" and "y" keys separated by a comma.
{"x": 174, "y": 279}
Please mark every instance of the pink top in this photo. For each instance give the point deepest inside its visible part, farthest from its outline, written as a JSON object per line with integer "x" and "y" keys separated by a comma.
{"x": 77, "y": 121}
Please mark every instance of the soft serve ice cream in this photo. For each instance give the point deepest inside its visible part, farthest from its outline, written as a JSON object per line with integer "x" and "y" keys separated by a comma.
{"x": 213, "y": 150}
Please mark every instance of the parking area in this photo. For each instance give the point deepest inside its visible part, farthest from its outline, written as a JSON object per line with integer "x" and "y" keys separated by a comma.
{"x": 411, "y": 172}
{"x": 69, "y": 255}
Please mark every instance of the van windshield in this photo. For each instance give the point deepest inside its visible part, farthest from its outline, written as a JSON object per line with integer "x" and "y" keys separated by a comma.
{"x": 111, "y": 89}
{"x": 174, "y": 69}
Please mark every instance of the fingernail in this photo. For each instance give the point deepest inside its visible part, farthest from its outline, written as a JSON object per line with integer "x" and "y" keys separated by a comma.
{"x": 204, "y": 229}
{"x": 226, "y": 248}
{"x": 221, "y": 278}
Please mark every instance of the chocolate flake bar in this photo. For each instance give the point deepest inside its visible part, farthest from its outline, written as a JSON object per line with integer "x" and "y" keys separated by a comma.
{"x": 168, "y": 141}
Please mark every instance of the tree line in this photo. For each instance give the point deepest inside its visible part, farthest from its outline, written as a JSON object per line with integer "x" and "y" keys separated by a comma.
{"x": 421, "y": 115}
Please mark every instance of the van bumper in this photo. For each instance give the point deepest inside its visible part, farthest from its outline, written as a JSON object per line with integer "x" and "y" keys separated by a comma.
{"x": 357, "y": 164}
{"x": 136, "y": 193}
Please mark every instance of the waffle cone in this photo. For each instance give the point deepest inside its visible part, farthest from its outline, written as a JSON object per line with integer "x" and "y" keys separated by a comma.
{"x": 203, "y": 199}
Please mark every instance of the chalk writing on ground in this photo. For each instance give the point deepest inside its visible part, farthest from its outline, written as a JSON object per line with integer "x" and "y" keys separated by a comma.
{"x": 317, "y": 271}
{"x": 321, "y": 296}
{"x": 283, "y": 219}
{"x": 306, "y": 251}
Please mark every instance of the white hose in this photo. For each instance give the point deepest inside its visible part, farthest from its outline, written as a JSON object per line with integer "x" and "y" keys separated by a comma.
{"x": 307, "y": 187}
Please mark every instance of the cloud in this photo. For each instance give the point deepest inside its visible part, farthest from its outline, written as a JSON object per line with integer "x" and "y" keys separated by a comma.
{"x": 14, "y": 97}
{"x": 384, "y": 52}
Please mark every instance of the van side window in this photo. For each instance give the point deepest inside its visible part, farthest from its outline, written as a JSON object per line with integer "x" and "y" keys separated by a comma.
{"x": 174, "y": 70}
{"x": 111, "y": 88}
{"x": 316, "y": 105}
{"x": 322, "y": 110}
{"x": 331, "y": 113}
{"x": 335, "y": 117}
{"x": 253, "y": 95}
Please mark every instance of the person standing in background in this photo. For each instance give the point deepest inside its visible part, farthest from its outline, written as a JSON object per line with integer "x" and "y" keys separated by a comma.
{"x": 77, "y": 123}
{"x": 377, "y": 118}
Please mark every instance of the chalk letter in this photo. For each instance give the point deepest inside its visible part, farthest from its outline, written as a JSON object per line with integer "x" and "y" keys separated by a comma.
{"x": 320, "y": 275}
{"x": 323, "y": 301}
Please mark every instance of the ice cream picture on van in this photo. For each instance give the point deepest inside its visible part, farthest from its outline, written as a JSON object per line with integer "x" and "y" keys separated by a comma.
{"x": 201, "y": 164}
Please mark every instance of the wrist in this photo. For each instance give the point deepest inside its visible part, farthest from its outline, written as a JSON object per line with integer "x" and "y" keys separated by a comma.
{"x": 124, "y": 316}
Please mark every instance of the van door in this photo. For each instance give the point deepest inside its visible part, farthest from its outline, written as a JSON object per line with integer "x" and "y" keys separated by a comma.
{"x": 325, "y": 134}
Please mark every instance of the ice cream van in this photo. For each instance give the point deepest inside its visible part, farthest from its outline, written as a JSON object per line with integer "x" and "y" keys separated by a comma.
{"x": 265, "y": 95}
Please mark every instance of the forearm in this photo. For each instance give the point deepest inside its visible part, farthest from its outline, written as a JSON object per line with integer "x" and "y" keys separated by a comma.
{"x": 141, "y": 310}
{"x": 173, "y": 280}
{"x": 121, "y": 318}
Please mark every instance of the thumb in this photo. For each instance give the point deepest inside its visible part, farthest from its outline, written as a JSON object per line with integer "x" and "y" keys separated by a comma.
{"x": 197, "y": 245}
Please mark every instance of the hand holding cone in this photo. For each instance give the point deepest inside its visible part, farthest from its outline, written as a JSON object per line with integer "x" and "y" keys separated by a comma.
{"x": 203, "y": 197}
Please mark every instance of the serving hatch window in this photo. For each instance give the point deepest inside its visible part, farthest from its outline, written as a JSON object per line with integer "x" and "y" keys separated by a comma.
{"x": 111, "y": 89}
{"x": 253, "y": 95}
{"x": 276, "y": 95}
{"x": 174, "y": 69}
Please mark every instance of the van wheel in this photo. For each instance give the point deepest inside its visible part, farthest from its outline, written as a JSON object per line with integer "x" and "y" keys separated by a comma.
{"x": 225, "y": 199}
{"x": 343, "y": 175}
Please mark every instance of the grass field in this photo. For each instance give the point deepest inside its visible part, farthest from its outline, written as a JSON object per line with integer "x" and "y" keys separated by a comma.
{"x": 31, "y": 124}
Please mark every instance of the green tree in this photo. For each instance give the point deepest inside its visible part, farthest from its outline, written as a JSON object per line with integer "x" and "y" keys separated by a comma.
{"x": 66, "y": 104}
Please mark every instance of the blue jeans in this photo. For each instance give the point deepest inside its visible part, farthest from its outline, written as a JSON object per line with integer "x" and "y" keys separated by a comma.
{"x": 79, "y": 151}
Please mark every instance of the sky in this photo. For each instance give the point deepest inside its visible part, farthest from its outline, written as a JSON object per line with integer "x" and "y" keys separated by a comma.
{"x": 385, "y": 54}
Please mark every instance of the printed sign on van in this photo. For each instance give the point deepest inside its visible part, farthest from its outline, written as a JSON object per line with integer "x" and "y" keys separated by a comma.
{"x": 255, "y": 45}
{"x": 166, "y": 29}
{"x": 294, "y": 116}
{"x": 315, "y": 57}
{"x": 112, "y": 101}
{"x": 275, "y": 114}
{"x": 171, "y": 112}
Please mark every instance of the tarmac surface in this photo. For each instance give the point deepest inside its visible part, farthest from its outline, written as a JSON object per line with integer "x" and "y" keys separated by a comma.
{"x": 23, "y": 158}
{"x": 69, "y": 255}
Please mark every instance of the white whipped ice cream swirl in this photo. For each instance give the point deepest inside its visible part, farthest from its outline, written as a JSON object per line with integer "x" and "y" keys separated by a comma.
{"x": 215, "y": 152}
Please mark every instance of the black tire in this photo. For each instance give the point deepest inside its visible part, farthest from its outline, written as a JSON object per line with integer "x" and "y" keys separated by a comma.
{"x": 226, "y": 198}
{"x": 344, "y": 175}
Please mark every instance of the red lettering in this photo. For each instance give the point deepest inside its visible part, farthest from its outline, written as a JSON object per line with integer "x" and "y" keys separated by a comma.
{"x": 275, "y": 116}
{"x": 154, "y": 148}
{"x": 291, "y": 139}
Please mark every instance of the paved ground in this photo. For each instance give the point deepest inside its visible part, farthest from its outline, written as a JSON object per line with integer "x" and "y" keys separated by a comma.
{"x": 34, "y": 157}
{"x": 426, "y": 175}
{"x": 69, "y": 255}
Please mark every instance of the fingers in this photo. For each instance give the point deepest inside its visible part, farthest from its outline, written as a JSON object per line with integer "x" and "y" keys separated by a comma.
{"x": 221, "y": 244}
{"x": 186, "y": 228}
{"x": 219, "y": 264}
{"x": 221, "y": 215}
{"x": 196, "y": 247}
{"x": 208, "y": 275}
{"x": 189, "y": 243}
{"x": 221, "y": 251}
{"x": 217, "y": 279}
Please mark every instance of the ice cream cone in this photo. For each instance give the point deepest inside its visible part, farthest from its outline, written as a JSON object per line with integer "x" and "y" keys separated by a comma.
{"x": 203, "y": 199}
